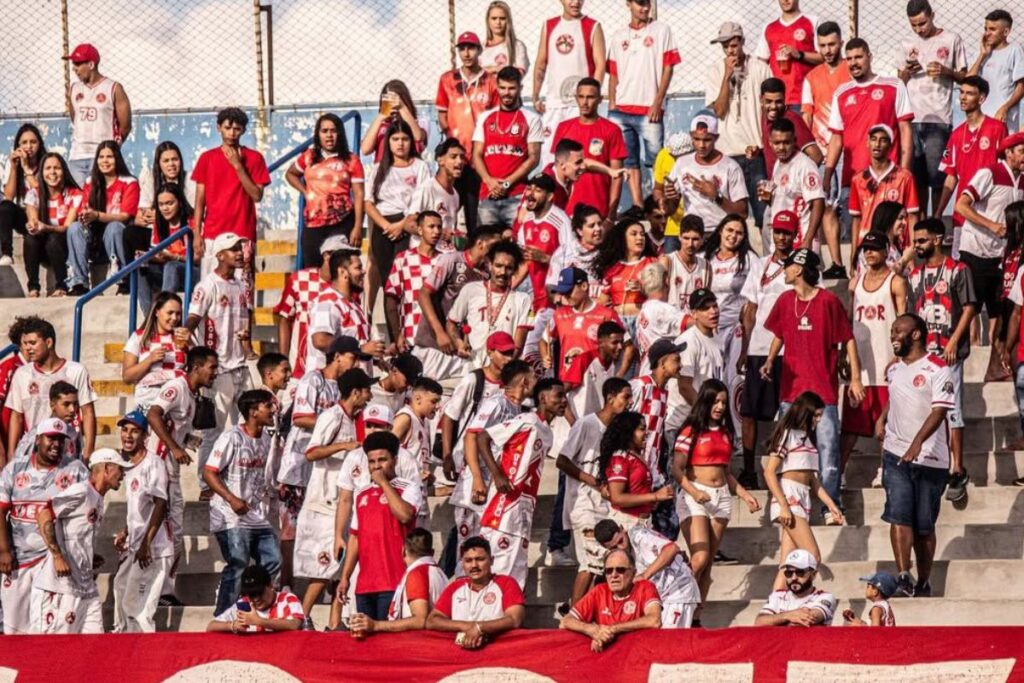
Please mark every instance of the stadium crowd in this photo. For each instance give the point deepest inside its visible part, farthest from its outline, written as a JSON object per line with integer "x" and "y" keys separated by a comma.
{"x": 638, "y": 349}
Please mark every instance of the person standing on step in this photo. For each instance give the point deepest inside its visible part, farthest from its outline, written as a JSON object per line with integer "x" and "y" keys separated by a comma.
{"x": 20, "y": 177}
{"x": 28, "y": 398}
{"x": 787, "y": 45}
{"x": 171, "y": 417}
{"x": 220, "y": 305}
{"x": 330, "y": 176}
{"x": 1001, "y": 64}
{"x": 65, "y": 598}
{"x": 915, "y": 461}
{"x": 412, "y": 425}
{"x": 100, "y": 110}
{"x": 409, "y": 274}
{"x": 230, "y": 180}
{"x": 440, "y": 195}
{"x": 146, "y": 548}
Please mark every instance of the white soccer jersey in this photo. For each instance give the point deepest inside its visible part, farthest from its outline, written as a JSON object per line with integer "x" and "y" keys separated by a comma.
{"x": 462, "y": 396}
{"x": 683, "y": 280}
{"x": 430, "y": 196}
{"x": 491, "y": 412}
{"x": 179, "y": 405}
{"x": 702, "y": 359}
{"x": 394, "y": 400}
{"x": 78, "y": 513}
{"x": 992, "y": 189}
{"x": 569, "y": 49}
{"x": 335, "y": 314}
{"x": 354, "y": 474}
{"x": 241, "y": 461}
{"x": 487, "y": 312}
{"x": 932, "y": 98}
{"x": 460, "y": 602}
{"x": 419, "y": 439}
{"x": 314, "y": 395}
{"x": 727, "y": 278}
{"x": 588, "y": 397}
{"x": 332, "y": 426}
{"x": 637, "y": 56}
{"x": 765, "y": 282}
{"x": 657, "y": 320}
{"x": 525, "y": 442}
{"x": 423, "y": 580}
{"x": 583, "y": 448}
{"x": 797, "y": 184}
{"x": 143, "y": 485}
{"x": 725, "y": 172}
{"x": 914, "y": 390}
{"x": 786, "y": 601}
{"x": 224, "y": 308}
{"x": 95, "y": 118}
{"x": 675, "y": 583}
{"x": 29, "y": 393}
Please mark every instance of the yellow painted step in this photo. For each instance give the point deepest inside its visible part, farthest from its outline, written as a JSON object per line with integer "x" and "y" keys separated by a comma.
{"x": 106, "y": 424}
{"x": 113, "y": 352}
{"x": 275, "y": 248}
{"x": 264, "y": 315}
{"x": 111, "y": 387}
{"x": 265, "y": 281}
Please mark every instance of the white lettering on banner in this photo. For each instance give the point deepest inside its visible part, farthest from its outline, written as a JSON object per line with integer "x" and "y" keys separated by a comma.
{"x": 702, "y": 673}
{"x": 496, "y": 674}
{"x": 976, "y": 671}
{"x": 233, "y": 670}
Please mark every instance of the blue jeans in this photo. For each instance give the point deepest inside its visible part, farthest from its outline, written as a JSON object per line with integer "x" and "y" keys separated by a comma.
{"x": 753, "y": 173}
{"x": 238, "y": 546}
{"x": 499, "y": 211}
{"x": 929, "y": 145}
{"x": 374, "y": 605}
{"x": 165, "y": 277}
{"x": 636, "y": 128}
{"x": 559, "y": 537}
{"x": 80, "y": 170}
{"x": 827, "y": 436}
{"x": 79, "y": 239}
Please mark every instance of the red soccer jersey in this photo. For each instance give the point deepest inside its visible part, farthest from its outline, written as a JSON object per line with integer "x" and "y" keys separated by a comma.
{"x": 858, "y": 106}
{"x": 713, "y": 447}
{"x": 328, "y": 187}
{"x": 602, "y": 141}
{"x": 463, "y": 101}
{"x": 969, "y": 151}
{"x": 599, "y": 606}
{"x": 576, "y": 331}
{"x": 868, "y": 191}
{"x": 228, "y": 207}
{"x": 799, "y": 35}
{"x": 614, "y": 282}
{"x": 804, "y": 137}
{"x": 381, "y": 536}
{"x": 122, "y": 196}
{"x": 631, "y": 469}
{"x": 540, "y": 234}
{"x": 301, "y": 290}
{"x": 506, "y": 137}
{"x": 811, "y": 332}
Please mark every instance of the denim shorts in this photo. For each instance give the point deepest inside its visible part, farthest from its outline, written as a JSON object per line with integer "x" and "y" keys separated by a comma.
{"x": 913, "y": 494}
{"x": 637, "y": 130}
{"x": 930, "y": 141}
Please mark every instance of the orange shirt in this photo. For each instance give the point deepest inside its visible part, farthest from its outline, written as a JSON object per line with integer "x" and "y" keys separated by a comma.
{"x": 463, "y": 101}
{"x": 819, "y": 87}
{"x": 868, "y": 191}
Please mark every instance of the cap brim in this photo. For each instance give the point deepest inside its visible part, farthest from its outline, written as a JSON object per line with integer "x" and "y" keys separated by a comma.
{"x": 379, "y": 423}
{"x": 502, "y": 349}
{"x": 52, "y": 434}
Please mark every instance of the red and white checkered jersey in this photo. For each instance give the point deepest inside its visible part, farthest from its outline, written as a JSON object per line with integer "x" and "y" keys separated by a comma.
{"x": 992, "y": 189}
{"x": 286, "y": 606}
{"x": 178, "y": 402}
{"x": 525, "y": 441}
{"x": 301, "y": 291}
{"x": 30, "y": 390}
{"x": 637, "y": 56}
{"x": 858, "y": 106}
{"x": 335, "y": 314}
{"x": 652, "y": 402}
{"x": 173, "y": 364}
{"x": 460, "y": 602}
{"x": 224, "y": 307}
{"x": 409, "y": 274}
{"x": 423, "y": 580}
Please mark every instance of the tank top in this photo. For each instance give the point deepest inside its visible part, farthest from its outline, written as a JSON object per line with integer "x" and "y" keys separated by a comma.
{"x": 888, "y": 618}
{"x": 713, "y": 447}
{"x": 873, "y": 314}
{"x": 682, "y": 280}
{"x": 798, "y": 452}
{"x": 570, "y": 57}
{"x": 94, "y": 118}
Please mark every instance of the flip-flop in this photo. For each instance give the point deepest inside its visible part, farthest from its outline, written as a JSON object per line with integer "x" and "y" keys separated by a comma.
{"x": 33, "y": 294}
{"x": 57, "y": 293}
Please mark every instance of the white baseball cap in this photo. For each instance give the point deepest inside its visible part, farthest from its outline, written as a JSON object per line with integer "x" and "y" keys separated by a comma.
{"x": 800, "y": 559}
{"x": 378, "y": 414}
{"x": 706, "y": 119}
{"x": 53, "y": 427}
{"x": 104, "y": 456}
{"x": 884, "y": 128}
{"x": 334, "y": 243}
{"x": 225, "y": 240}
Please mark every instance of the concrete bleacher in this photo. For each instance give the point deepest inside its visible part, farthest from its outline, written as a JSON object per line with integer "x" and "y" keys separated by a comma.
{"x": 980, "y": 544}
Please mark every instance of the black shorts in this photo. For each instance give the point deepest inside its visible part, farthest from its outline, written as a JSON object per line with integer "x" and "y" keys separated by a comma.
{"x": 987, "y": 275}
{"x": 383, "y": 250}
{"x": 760, "y": 399}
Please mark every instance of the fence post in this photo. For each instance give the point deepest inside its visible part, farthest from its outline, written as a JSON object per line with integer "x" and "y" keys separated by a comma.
{"x": 854, "y": 9}
{"x": 261, "y": 99}
{"x": 66, "y": 45}
{"x": 451, "y": 32}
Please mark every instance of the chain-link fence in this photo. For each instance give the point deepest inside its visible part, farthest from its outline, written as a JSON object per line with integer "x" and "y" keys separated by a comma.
{"x": 201, "y": 54}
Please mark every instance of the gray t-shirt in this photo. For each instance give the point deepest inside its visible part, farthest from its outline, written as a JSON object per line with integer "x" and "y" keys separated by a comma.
{"x": 450, "y": 273}
{"x": 1003, "y": 69}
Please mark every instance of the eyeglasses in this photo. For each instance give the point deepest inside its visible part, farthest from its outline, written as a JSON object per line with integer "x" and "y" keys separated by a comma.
{"x": 608, "y": 571}
{"x": 790, "y": 571}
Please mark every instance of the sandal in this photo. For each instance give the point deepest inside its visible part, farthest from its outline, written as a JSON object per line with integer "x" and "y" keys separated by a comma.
{"x": 57, "y": 293}
{"x": 33, "y": 294}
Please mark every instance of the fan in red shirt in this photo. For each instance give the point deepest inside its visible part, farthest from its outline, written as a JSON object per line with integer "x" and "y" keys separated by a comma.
{"x": 542, "y": 229}
{"x": 787, "y": 44}
{"x": 603, "y": 143}
{"x": 618, "y": 606}
{"x": 624, "y": 467}
{"x": 7, "y": 368}
{"x": 881, "y": 181}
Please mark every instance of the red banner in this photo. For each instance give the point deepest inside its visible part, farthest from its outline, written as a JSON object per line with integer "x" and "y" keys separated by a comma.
{"x": 719, "y": 656}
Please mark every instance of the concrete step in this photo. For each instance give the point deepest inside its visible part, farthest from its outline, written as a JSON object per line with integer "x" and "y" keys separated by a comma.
{"x": 113, "y": 353}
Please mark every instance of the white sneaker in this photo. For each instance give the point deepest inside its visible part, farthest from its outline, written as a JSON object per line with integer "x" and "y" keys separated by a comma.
{"x": 6, "y": 260}
{"x": 831, "y": 521}
{"x": 876, "y": 483}
{"x": 560, "y": 558}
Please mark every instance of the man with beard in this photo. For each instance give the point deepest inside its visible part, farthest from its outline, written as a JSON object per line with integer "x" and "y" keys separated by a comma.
{"x": 942, "y": 293}
{"x": 802, "y": 604}
{"x": 765, "y": 282}
{"x": 915, "y": 458}
{"x": 339, "y": 311}
{"x": 491, "y": 306}
{"x": 26, "y": 487}
{"x": 65, "y": 598}
{"x": 542, "y": 229}
{"x": 602, "y": 142}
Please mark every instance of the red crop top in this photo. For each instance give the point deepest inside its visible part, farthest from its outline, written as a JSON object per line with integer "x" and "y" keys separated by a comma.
{"x": 713, "y": 447}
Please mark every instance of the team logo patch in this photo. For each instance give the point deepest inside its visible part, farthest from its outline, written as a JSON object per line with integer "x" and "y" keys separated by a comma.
{"x": 512, "y": 471}
{"x": 503, "y": 543}
{"x": 892, "y": 194}
{"x": 544, "y": 236}
{"x": 851, "y": 101}
{"x": 784, "y": 179}
{"x": 629, "y": 607}
{"x": 595, "y": 147}
{"x": 625, "y": 45}
{"x": 564, "y": 44}
{"x": 63, "y": 481}
{"x": 69, "y": 617}
{"x": 22, "y": 480}
{"x": 799, "y": 34}
{"x": 592, "y": 332}
{"x": 877, "y": 94}
{"x": 648, "y": 41}
{"x": 93, "y": 516}
{"x": 501, "y": 60}
{"x": 941, "y": 287}
{"x": 134, "y": 486}
{"x": 223, "y": 302}
{"x": 463, "y": 530}
{"x": 812, "y": 180}
{"x": 919, "y": 381}
{"x": 942, "y": 53}
{"x": 33, "y": 388}
{"x": 79, "y": 97}
{"x": 383, "y": 499}
{"x": 913, "y": 55}
{"x": 617, "y": 468}
{"x": 323, "y": 559}
{"x": 489, "y": 598}
{"x": 101, "y": 98}
{"x": 984, "y": 142}
{"x": 7, "y": 581}
{"x": 356, "y": 471}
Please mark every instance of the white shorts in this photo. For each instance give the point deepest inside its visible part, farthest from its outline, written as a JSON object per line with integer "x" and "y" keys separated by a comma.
{"x": 137, "y": 592}
{"x": 439, "y": 365}
{"x": 16, "y": 597}
{"x": 718, "y": 507}
{"x": 509, "y": 554}
{"x": 678, "y": 615}
{"x": 797, "y": 495}
{"x": 467, "y": 525}
{"x": 65, "y": 613}
{"x": 589, "y": 553}
{"x": 175, "y": 523}
{"x": 314, "y": 547}
{"x": 628, "y": 521}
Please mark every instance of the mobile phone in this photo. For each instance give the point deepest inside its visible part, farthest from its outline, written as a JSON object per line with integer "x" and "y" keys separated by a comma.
{"x": 243, "y": 606}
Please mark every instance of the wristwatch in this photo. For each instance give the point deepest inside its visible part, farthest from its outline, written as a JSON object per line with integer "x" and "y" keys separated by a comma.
{"x": 719, "y": 199}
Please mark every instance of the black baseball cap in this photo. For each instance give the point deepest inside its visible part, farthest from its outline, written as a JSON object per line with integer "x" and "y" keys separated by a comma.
{"x": 255, "y": 580}
{"x": 875, "y": 241}
{"x": 699, "y": 298}
{"x": 346, "y": 344}
{"x": 804, "y": 257}
{"x": 662, "y": 348}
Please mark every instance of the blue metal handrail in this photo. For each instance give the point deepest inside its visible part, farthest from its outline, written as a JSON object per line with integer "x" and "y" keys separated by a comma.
{"x": 8, "y": 350}
{"x": 132, "y": 271}
{"x": 357, "y": 136}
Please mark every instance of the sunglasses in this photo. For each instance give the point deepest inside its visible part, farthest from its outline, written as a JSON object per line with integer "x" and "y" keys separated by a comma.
{"x": 923, "y": 240}
{"x": 608, "y": 571}
{"x": 790, "y": 571}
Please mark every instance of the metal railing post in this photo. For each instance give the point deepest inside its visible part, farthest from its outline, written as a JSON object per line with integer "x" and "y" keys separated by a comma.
{"x": 853, "y": 8}
{"x": 188, "y": 277}
{"x": 298, "y": 233}
{"x": 133, "y": 301}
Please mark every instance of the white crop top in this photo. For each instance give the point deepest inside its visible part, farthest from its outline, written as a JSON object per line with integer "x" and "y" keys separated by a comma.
{"x": 798, "y": 452}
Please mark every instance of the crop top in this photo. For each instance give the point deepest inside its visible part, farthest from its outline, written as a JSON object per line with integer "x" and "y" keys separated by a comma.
{"x": 714, "y": 447}
{"x": 798, "y": 452}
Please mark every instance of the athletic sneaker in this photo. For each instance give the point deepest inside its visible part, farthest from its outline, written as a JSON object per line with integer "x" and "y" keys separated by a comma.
{"x": 170, "y": 601}
{"x": 957, "y": 486}
{"x": 905, "y": 584}
{"x": 722, "y": 558}
{"x": 923, "y": 590}
{"x": 560, "y": 558}
{"x": 836, "y": 272}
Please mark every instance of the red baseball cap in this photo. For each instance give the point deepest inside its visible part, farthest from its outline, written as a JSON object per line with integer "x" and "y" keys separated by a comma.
{"x": 786, "y": 221}
{"x": 501, "y": 341}
{"x": 468, "y": 38}
{"x": 1011, "y": 141}
{"x": 84, "y": 53}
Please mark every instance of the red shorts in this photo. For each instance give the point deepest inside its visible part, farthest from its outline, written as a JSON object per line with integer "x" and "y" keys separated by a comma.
{"x": 861, "y": 420}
